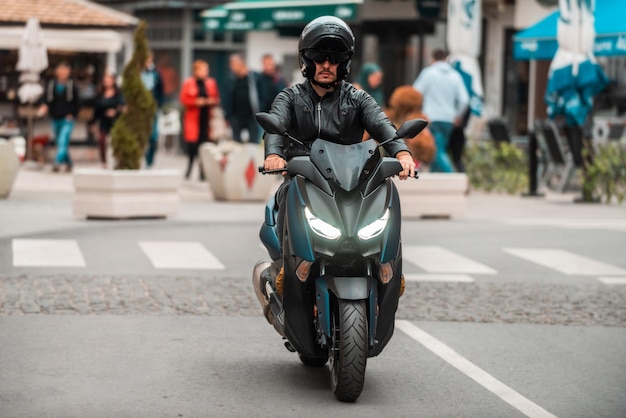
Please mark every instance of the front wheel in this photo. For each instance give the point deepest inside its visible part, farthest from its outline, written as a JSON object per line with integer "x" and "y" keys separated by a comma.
{"x": 348, "y": 352}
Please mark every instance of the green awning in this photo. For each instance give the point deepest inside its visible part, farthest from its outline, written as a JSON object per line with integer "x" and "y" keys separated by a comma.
{"x": 245, "y": 15}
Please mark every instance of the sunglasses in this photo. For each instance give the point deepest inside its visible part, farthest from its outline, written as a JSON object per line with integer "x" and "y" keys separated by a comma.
{"x": 321, "y": 57}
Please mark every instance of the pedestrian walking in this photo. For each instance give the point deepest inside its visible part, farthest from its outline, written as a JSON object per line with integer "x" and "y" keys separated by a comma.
{"x": 152, "y": 81}
{"x": 109, "y": 105}
{"x": 456, "y": 147}
{"x": 445, "y": 100}
{"x": 270, "y": 82}
{"x": 370, "y": 79}
{"x": 199, "y": 95}
{"x": 61, "y": 102}
{"x": 242, "y": 100}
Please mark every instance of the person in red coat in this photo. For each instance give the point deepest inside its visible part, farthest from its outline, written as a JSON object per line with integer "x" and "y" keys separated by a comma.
{"x": 198, "y": 94}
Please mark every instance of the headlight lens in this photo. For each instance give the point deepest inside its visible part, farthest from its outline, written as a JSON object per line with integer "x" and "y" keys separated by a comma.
{"x": 321, "y": 228}
{"x": 375, "y": 228}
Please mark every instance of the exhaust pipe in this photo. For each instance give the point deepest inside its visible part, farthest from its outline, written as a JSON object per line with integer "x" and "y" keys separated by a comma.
{"x": 259, "y": 286}
{"x": 272, "y": 307}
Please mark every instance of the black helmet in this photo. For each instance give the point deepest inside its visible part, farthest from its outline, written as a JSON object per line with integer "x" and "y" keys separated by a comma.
{"x": 326, "y": 38}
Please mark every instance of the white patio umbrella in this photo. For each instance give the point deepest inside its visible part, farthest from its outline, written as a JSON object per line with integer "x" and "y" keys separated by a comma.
{"x": 463, "y": 37}
{"x": 32, "y": 60}
{"x": 575, "y": 76}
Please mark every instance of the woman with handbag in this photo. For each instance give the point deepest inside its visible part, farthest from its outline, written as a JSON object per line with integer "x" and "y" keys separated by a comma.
{"x": 199, "y": 95}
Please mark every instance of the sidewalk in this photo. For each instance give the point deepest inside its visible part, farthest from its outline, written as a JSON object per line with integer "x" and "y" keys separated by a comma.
{"x": 43, "y": 199}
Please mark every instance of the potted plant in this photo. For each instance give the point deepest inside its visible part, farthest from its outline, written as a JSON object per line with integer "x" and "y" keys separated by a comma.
{"x": 9, "y": 166}
{"x": 127, "y": 191}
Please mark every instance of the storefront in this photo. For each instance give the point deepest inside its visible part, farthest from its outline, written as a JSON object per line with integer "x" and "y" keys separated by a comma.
{"x": 91, "y": 38}
{"x": 392, "y": 33}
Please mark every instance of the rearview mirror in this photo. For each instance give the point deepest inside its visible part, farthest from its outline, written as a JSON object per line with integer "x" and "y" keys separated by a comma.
{"x": 270, "y": 123}
{"x": 411, "y": 128}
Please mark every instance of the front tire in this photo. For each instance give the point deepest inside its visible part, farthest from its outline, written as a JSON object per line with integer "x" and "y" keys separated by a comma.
{"x": 348, "y": 353}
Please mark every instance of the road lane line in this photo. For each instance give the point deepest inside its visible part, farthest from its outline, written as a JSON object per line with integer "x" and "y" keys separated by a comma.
{"x": 439, "y": 260}
{"x": 180, "y": 255}
{"x": 47, "y": 253}
{"x": 565, "y": 262}
{"x": 613, "y": 280}
{"x": 453, "y": 278}
{"x": 501, "y": 390}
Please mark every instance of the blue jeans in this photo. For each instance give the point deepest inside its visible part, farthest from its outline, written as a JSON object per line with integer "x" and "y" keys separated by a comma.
{"x": 152, "y": 143}
{"x": 62, "y": 131}
{"x": 441, "y": 131}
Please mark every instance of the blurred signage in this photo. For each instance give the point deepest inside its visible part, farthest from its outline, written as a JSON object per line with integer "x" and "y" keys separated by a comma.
{"x": 239, "y": 18}
{"x": 429, "y": 9}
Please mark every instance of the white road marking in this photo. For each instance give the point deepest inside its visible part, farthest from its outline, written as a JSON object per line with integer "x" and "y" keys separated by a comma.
{"x": 609, "y": 224}
{"x": 613, "y": 280}
{"x": 180, "y": 255}
{"x": 439, "y": 260}
{"x": 47, "y": 253}
{"x": 565, "y": 262}
{"x": 501, "y": 390}
{"x": 438, "y": 278}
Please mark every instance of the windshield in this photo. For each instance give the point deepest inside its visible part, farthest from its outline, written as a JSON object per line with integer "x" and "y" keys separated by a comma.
{"x": 343, "y": 164}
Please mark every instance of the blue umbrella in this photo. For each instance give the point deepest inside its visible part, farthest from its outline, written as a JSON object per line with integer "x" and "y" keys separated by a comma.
{"x": 575, "y": 76}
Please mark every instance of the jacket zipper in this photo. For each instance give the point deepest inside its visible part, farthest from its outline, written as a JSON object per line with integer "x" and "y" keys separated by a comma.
{"x": 319, "y": 118}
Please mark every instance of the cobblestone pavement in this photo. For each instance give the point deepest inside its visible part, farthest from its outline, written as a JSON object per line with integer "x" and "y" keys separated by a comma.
{"x": 592, "y": 304}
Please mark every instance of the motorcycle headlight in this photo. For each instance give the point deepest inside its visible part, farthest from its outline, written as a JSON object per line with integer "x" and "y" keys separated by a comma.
{"x": 321, "y": 228}
{"x": 375, "y": 228}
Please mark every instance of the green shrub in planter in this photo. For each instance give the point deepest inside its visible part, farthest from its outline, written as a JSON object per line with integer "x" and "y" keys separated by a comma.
{"x": 605, "y": 175}
{"x": 131, "y": 132}
{"x": 496, "y": 168}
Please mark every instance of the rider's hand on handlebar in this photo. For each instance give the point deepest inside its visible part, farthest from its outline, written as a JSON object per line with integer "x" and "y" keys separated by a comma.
{"x": 274, "y": 162}
{"x": 408, "y": 165}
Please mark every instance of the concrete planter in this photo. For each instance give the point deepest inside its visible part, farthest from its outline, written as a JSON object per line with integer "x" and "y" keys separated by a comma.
{"x": 433, "y": 195}
{"x": 9, "y": 166}
{"x": 231, "y": 170}
{"x": 119, "y": 194}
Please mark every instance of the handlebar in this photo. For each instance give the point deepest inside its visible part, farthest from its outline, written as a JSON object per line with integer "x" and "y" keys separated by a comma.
{"x": 281, "y": 170}
{"x": 262, "y": 170}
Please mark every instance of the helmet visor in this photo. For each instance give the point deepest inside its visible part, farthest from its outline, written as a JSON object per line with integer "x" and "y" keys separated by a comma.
{"x": 334, "y": 57}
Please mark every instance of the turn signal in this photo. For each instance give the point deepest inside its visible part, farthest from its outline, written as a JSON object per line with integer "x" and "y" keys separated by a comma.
{"x": 280, "y": 282}
{"x": 302, "y": 272}
{"x": 385, "y": 273}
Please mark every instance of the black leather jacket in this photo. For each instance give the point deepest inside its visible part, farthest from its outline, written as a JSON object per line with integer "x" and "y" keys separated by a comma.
{"x": 340, "y": 116}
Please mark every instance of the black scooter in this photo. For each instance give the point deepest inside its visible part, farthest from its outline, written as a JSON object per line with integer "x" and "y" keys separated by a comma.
{"x": 336, "y": 296}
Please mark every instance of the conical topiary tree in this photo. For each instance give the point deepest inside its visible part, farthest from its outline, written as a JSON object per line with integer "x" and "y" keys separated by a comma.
{"x": 131, "y": 132}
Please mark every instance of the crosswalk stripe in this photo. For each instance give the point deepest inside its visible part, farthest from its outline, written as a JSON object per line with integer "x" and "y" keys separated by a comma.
{"x": 180, "y": 255}
{"x": 577, "y": 224}
{"x": 46, "y": 253}
{"x": 455, "y": 278}
{"x": 613, "y": 280}
{"x": 439, "y": 260}
{"x": 565, "y": 262}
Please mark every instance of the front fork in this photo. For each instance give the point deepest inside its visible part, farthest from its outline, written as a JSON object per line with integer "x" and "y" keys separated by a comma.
{"x": 328, "y": 289}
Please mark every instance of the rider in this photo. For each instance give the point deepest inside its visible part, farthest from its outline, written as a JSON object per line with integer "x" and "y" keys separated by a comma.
{"x": 326, "y": 106}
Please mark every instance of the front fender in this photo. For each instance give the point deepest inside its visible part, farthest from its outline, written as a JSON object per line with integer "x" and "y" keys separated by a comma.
{"x": 346, "y": 288}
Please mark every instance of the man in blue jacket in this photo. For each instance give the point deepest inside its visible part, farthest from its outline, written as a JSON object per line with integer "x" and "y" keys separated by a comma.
{"x": 445, "y": 101}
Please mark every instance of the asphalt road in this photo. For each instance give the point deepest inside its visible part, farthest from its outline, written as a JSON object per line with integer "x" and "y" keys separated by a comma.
{"x": 500, "y": 331}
